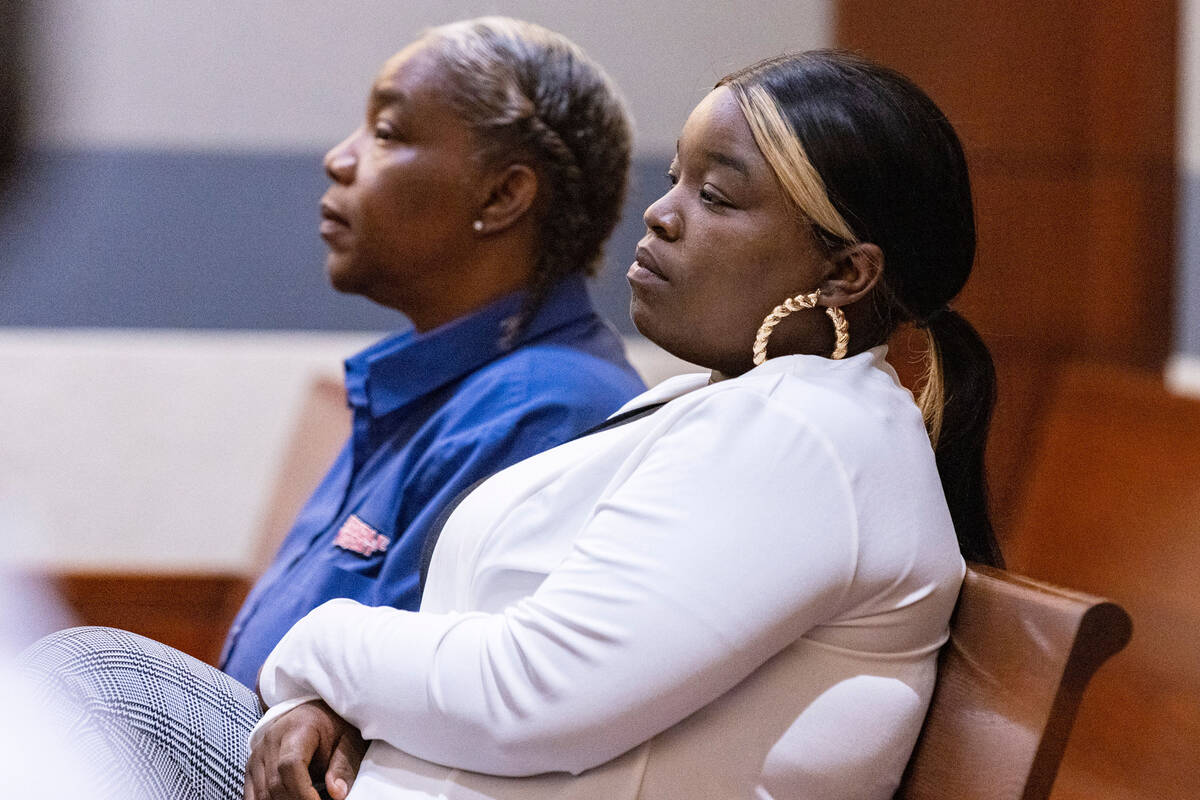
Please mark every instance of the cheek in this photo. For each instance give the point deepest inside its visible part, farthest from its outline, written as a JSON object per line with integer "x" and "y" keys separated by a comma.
{"x": 409, "y": 211}
{"x": 730, "y": 277}
{"x": 772, "y": 268}
{"x": 384, "y": 205}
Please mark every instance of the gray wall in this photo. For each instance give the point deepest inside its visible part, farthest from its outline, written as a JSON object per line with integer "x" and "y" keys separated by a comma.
{"x": 1188, "y": 317}
{"x": 179, "y": 143}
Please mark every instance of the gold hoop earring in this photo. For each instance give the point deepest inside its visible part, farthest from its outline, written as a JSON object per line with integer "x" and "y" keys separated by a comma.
{"x": 841, "y": 331}
{"x": 841, "y": 328}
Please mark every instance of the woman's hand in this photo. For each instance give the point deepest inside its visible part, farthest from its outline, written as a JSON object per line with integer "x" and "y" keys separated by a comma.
{"x": 306, "y": 741}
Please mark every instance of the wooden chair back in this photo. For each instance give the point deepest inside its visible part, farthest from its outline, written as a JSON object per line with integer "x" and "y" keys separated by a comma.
{"x": 1011, "y": 676}
{"x": 322, "y": 426}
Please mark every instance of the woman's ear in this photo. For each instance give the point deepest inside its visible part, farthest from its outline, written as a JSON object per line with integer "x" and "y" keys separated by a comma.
{"x": 853, "y": 273}
{"x": 512, "y": 192}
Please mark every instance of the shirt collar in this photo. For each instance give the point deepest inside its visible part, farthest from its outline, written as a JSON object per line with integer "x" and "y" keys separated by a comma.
{"x": 405, "y": 366}
{"x": 679, "y": 385}
{"x": 874, "y": 357}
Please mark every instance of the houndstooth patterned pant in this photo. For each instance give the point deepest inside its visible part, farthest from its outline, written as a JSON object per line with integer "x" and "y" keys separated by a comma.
{"x": 156, "y": 724}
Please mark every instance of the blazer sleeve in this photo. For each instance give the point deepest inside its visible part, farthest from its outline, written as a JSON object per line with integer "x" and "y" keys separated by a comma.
{"x": 731, "y": 535}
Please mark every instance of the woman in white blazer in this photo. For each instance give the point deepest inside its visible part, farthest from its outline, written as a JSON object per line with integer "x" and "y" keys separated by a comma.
{"x": 740, "y": 592}
{"x": 737, "y": 587}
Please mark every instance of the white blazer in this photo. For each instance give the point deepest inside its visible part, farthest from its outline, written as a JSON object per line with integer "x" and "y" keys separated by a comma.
{"x": 740, "y": 595}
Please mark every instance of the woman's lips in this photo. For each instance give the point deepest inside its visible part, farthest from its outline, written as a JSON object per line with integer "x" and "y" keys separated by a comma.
{"x": 645, "y": 268}
{"x": 334, "y": 227}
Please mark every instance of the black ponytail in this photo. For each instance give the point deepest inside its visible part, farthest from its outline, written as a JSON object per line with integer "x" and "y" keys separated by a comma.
{"x": 960, "y": 395}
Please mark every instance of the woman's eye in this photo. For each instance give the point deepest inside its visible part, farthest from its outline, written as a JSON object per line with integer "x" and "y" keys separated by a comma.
{"x": 384, "y": 132}
{"x": 709, "y": 198}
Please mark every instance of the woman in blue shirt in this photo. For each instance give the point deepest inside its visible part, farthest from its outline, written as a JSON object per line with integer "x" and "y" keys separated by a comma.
{"x": 475, "y": 196}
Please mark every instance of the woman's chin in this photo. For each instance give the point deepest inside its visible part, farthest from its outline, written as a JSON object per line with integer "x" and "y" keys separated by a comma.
{"x": 342, "y": 275}
{"x": 676, "y": 340}
{"x": 666, "y": 336}
{"x": 645, "y": 321}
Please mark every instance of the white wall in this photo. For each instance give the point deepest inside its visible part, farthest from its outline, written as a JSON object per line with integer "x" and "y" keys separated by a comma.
{"x": 156, "y": 450}
{"x": 147, "y": 449}
{"x": 294, "y": 73}
{"x": 1189, "y": 86}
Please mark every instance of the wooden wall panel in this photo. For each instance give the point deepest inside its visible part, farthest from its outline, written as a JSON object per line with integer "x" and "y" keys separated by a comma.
{"x": 1028, "y": 244}
{"x": 189, "y": 612}
{"x": 1067, "y": 112}
{"x": 1007, "y": 73}
{"x": 1113, "y": 508}
{"x": 1130, "y": 266}
{"x": 1131, "y": 66}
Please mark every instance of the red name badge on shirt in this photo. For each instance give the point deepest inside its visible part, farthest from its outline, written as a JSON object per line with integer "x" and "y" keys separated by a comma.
{"x": 359, "y": 537}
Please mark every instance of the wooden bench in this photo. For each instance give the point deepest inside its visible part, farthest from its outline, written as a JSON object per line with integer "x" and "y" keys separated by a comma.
{"x": 1009, "y": 682}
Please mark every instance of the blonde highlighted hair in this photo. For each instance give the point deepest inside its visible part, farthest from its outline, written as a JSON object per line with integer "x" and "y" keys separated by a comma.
{"x": 805, "y": 189}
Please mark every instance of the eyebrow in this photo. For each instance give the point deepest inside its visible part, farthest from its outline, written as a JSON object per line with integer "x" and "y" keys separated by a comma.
{"x": 735, "y": 164}
{"x": 383, "y": 96}
{"x": 729, "y": 161}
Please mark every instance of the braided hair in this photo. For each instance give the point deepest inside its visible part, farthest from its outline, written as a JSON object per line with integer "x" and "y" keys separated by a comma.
{"x": 531, "y": 95}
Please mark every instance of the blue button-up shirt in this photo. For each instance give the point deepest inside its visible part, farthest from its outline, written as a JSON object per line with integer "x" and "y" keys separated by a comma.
{"x": 433, "y": 413}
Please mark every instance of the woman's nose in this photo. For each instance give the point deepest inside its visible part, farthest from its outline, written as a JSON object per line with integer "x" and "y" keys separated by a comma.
{"x": 341, "y": 161}
{"x": 662, "y": 219}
